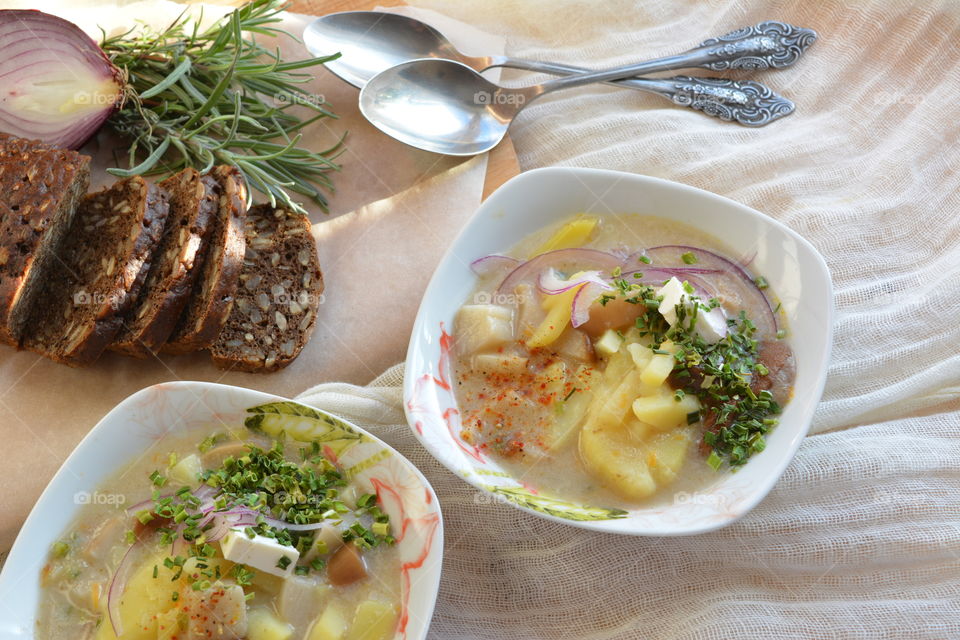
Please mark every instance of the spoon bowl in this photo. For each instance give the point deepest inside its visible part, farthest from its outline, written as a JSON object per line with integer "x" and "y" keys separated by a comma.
{"x": 371, "y": 42}
{"x": 441, "y": 106}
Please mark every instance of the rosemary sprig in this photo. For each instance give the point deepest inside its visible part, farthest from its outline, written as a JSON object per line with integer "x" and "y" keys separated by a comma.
{"x": 199, "y": 98}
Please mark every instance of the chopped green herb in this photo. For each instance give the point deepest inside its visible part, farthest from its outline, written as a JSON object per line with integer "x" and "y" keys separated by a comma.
{"x": 243, "y": 575}
{"x": 645, "y": 259}
{"x": 157, "y": 479}
{"x": 761, "y": 282}
{"x": 283, "y": 562}
{"x": 60, "y": 549}
{"x": 689, "y": 258}
{"x": 714, "y": 460}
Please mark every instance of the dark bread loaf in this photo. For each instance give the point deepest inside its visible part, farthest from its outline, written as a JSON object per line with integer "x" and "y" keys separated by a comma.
{"x": 279, "y": 294}
{"x": 40, "y": 188}
{"x": 101, "y": 268}
{"x": 212, "y": 298}
{"x": 174, "y": 268}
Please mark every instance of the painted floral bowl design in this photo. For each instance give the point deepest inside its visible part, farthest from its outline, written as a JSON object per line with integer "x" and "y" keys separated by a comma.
{"x": 173, "y": 409}
{"x": 535, "y": 199}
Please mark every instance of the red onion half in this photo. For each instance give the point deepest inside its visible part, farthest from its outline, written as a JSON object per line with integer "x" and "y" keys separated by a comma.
{"x": 56, "y": 84}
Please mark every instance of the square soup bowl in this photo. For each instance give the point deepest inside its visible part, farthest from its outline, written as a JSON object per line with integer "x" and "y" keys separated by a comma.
{"x": 142, "y": 422}
{"x": 535, "y": 199}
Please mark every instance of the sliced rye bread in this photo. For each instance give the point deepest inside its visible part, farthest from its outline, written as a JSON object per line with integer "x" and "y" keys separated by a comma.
{"x": 101, "y": 268}
{"x": 41, "y": 188}
{"x": 212, "y": 297}
{"x": 279, "y": 294}
{"x": 175, "y": 267}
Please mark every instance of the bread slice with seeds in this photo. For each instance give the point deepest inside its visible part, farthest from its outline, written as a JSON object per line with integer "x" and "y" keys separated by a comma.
{"x": 280, "y": 291}
{"x": 40, "y": 187}
{"x": 210, "y": 302}
{"x": 101, "y": 268}
{"x": 175, "y": 267}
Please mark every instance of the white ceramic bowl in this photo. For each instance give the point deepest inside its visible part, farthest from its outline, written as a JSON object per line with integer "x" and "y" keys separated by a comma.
{"x": 535, "y": 199}
{"x": 147, "y": 417}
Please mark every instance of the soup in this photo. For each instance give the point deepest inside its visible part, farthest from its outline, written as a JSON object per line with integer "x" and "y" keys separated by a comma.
{"x": 225, "y": 535}
{"x": 619, "y": 360}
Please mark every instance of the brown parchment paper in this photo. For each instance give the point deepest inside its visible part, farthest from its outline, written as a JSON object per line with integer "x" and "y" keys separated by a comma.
{"x": 394, "y": 213}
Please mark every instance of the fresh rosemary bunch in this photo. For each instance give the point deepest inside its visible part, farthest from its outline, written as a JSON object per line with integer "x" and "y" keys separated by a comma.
{"x": 199, "y": 98}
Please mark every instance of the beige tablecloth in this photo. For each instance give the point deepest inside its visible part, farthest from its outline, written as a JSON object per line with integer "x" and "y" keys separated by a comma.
{"x": 861, "y": 536}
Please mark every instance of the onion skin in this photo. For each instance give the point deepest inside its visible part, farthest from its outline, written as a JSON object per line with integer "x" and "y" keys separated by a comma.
{"x": 39, "y": 50}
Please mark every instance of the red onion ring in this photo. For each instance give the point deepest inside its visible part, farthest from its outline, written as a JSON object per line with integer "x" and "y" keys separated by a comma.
{"x": 571, "y": 258}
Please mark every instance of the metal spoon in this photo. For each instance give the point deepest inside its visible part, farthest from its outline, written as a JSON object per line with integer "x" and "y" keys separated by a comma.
{"x": 446, "y": 107}
{"x": 373, "y": 41}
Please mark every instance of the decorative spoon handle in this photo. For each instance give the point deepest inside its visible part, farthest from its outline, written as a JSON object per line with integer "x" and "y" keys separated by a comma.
{"x": 746, "y": 102}
{"x": 768, "y": 45}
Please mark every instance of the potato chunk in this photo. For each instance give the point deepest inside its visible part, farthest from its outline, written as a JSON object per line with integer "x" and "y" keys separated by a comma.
{"x": 660, "y": 365}
{"x": 266, "y": 626}
{"x": 483, "y": 327}
{"x": 617, "y": 459}
{"x": 666, "y": 454}
{"x": 332, "y": 623}
{"x": 373, "y": 620}
{"x": 573, "y": 234}
{"x": 664, "y": 412}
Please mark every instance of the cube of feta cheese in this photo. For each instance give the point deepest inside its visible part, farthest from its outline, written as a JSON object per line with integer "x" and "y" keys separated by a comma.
{"x": 260, "y": 552}
{"x": 711, "y": 325}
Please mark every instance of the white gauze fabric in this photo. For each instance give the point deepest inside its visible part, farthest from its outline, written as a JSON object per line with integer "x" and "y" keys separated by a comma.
{"x": 861, "y": 536}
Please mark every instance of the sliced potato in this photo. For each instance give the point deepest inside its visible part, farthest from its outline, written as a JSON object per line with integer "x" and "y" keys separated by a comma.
{"x": 617, "y": 459}
{"x": 664, "y": 412}
{"x": 666, "y": 454}
{"x": 613, "y": 407}
{"x": 558, "y": 308}
{"x": 617, "y": 367}
{"x": 263, "y": 625}
{"x": 640, "y": 354}
{"x": 373, "y": 620}
{"x": 572, "y": 411}
{"x": 483, "y": 327}
{"x": 187, "y": 471}
{"x": 573, "y": 234}
{"x": 609, "y": 343}
{"x": 332, "y": 623}
{"x": 660, "y": 365}
{"x": 142, "y": 600}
